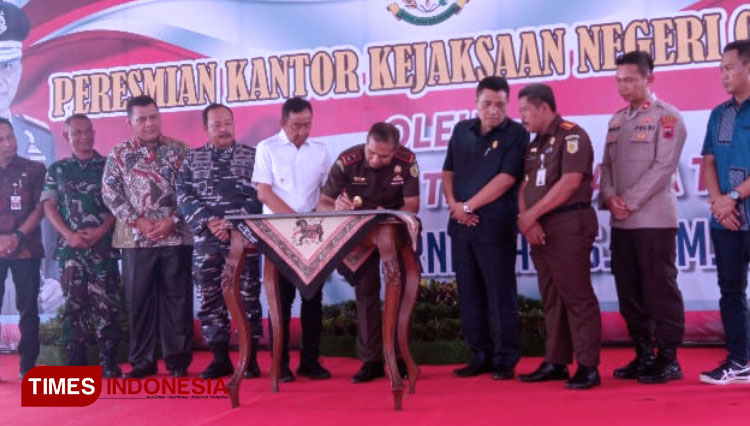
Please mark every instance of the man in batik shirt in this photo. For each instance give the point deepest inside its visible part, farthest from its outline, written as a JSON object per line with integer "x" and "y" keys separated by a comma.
{"x": 138, "y": 187}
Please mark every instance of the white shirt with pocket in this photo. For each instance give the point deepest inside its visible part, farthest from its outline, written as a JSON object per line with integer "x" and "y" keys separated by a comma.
{"x": 295, "y": 174}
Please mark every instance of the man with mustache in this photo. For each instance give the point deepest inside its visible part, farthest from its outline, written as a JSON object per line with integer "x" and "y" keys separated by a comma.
{"x": 215, "y": 182}
{"x": 558, "y": 221}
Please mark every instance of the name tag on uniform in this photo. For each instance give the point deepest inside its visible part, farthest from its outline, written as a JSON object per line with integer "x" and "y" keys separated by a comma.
{"x": 541, "y": 173}
{"x": 541, "y": 177}
{"x": 15, "y": 202}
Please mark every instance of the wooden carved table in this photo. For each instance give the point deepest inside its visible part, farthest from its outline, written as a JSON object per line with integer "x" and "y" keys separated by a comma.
{"x": 306, "y": 248}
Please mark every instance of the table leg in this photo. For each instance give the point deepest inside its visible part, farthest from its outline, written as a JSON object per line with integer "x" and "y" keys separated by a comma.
{"x": 392, "y": 300}
{"x": 230, "y": 285}
{"x": 271, "y": 283}
{"x": 411, "y": 292}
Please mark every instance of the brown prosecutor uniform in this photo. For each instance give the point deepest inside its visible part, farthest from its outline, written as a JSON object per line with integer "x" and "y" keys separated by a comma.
{"x": 641, "y": 155}
{"x": 571, "y": 310}
{"x": 385, "y": 187}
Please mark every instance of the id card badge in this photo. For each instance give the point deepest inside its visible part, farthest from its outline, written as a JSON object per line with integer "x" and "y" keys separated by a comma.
{"x": 541, "y": 177}
{"x": 541, "y": 174}
{"x": 15, "y": 202}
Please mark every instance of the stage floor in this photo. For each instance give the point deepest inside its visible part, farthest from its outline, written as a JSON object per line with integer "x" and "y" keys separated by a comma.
{"x": 440, "y": 399}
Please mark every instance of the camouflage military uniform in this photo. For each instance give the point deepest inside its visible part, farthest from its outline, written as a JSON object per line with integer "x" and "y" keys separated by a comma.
{"x": 213, "y": 183}
{"x": 89, "y": 277}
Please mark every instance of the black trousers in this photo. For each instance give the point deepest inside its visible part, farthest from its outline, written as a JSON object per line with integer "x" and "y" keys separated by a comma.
{"x": 643, "y": 262}
{"x": 26, "y": 279}
{"x": 159, "y": 297}
{"x": 311, "y": 318}
{"x": 487, "y": 296}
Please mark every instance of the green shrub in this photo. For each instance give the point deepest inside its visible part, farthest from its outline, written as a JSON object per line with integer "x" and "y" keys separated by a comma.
{"x": 435, "y": 329}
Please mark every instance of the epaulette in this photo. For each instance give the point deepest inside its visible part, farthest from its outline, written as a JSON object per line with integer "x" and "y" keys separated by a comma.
{"x": 405, "y": 155}
{"x": 567, "y": 125}
{"x": 352, "y": 156}
{"x": 35, "y": 121}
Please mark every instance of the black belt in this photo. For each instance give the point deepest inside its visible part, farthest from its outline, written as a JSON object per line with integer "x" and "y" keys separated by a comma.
{"x": 568, "y": 208}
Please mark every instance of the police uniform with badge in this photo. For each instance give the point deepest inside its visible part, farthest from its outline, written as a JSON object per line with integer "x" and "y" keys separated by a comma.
{"x": 571, "y": 309}
{"x": 368, "y": 189}
{"x": 213, "y": 183}
{"x": 641, "y": 155}
{"x": 34, "y": 137}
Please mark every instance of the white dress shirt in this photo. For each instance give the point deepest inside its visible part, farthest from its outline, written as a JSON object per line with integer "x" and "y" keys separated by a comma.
{"x": 295, "y": 174}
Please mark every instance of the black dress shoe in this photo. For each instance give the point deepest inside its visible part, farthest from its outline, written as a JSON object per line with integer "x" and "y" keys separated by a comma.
{"x": 285, "y": 375}
{"x": 472, "y": 369}
{"x": 219, "y": 367}
{"x": 546, "y": 371}
{"x": 178, "y": 372}
{"x": 370, "y": 370}
{"x": 636, "y": 367}
{"x": 140, "y": 372}
{"x": 253, "y": 369}
{"x": 585, "y": 378}
{"x": 313, "y": 370}
{"x": 663, "y": 370}
{"x": 111, "y": 371}
{"x": 503, "y": 373}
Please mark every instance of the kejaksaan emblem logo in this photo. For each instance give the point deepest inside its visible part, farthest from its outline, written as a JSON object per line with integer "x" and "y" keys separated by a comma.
{"x": 426, "y": 12}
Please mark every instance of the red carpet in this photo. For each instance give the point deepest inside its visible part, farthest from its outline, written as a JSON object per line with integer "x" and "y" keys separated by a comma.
{"x": 440, "y": 399}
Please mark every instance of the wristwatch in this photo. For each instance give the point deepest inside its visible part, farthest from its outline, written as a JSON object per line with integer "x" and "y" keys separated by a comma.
{"x": 20, "y": 235}
{"x": 467, "y": 209}
{"x": 734, "y": 194}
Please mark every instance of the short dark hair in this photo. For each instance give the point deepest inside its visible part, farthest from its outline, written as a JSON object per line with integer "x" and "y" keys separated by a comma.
{"x": 537, "y": 93}
{"x": 78, "y": 116}
{"x": 494, "y": 83}
{"x": 295, "y": 104}
{"x": 140, "y": 100}
{"x": 384, "y": 132}
{"x": 212, "y": 107}
{"x": 6, "y": 121}
{"x": 639, "y": 58}
{"x": 742, "y": 47}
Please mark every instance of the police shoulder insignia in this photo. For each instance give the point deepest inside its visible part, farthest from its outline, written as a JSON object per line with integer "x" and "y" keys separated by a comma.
{"x": 571, "y": 146}
{"x": 567, "y": 125}
{"x": 352, "y": 156}
{"x": 414, "y": 170}
{"x": 405, "y": 155}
